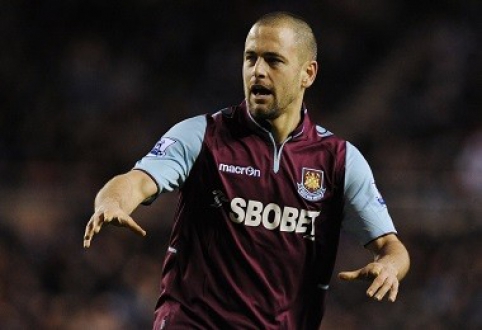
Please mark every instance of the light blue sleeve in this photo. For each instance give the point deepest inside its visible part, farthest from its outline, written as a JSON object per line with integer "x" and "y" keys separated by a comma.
{"x": 365, "y": 213}
{"x": 173, "y": 156}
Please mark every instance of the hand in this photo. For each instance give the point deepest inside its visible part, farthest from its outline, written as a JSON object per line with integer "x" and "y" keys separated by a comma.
{"x": 109, "y": 214}
{"x": 383, "y": 276}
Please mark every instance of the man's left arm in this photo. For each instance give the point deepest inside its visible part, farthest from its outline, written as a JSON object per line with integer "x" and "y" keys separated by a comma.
{"x": 390, "y": 265}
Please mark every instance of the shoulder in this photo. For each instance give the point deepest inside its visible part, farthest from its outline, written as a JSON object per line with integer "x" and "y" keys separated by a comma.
{"x": 196, "y": 122}
{"x": 226, "y": 121}
{"x": 354, "y": 156}
{"x": 327, "y": 139}
{"x": 188, "y": 132}
{"x": 223, "y": 114}
{"x": 322, "y": 132}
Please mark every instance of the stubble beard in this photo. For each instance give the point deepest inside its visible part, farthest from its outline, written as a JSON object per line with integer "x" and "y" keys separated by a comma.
{"x": 264, "y": 114}
{"x": 268, "y": 111}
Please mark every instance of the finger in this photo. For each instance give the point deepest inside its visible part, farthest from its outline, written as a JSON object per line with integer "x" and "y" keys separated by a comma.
{"x": 349, "y": 276}
{"x": 132, "y": 225}
{"x": 382, "y": 291}
{"x": 93, "y": 227}
{"x": 375, "y": 286}
{"x": 87, "y": 237}
{"x": 393, "y": 292}
{"x": 98, "y": 221}
{"x": 379, "y": 287}
{"x": 111, "y": 217}
{"x": 89, "y": 232}
{"x": 388, "y": 287}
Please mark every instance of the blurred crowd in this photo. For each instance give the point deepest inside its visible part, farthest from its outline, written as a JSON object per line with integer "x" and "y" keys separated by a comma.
{"x": 87, "y": 88}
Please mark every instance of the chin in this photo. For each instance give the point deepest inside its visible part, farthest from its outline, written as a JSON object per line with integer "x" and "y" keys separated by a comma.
{"x": 263, "y": 112}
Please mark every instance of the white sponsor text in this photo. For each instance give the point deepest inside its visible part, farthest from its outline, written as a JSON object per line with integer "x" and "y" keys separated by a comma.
{"x": 243, "y": 170}
{"x": 273, "y": 216}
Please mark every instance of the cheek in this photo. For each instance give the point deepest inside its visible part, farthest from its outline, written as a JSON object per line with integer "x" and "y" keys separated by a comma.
{"x": 245, "y": 83}
{"x": 246, "y": 68}
{"x": 298, "y": 79}
{"x": 291, "y": 86}
{"x": 245, "y": 74}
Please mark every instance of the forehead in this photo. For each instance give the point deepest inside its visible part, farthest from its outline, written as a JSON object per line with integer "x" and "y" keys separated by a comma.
{"x": 278, "y": 39}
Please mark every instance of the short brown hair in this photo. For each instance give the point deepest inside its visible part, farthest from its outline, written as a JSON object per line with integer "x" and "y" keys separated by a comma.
{"x": 300, "y": 27}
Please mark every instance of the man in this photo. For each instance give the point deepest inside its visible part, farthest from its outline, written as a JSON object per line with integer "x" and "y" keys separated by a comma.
{"x": 263, "y": 194}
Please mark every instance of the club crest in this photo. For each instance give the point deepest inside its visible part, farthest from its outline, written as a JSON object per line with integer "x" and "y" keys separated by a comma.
{"x": 311, "y": 187}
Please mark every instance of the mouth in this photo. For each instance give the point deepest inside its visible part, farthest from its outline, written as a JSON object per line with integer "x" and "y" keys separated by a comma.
{"x": 260, "y": 91}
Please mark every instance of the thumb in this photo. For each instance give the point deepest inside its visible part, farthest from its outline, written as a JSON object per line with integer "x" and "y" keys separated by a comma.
{"x": 128, "y": 222}
{"x": 135, "y": 227}
{"x": 349, "y": 275}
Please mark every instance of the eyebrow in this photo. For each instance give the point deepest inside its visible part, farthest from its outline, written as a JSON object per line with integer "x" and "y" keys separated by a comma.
{"x": 265, "y": 54}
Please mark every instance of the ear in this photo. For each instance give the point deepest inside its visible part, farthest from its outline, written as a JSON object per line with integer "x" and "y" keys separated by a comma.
{"x": 309, "y": 73}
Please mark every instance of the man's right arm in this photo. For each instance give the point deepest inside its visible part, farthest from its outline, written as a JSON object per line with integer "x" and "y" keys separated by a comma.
{"x": 117, "y": 200}
{"x": 168, "y": 165}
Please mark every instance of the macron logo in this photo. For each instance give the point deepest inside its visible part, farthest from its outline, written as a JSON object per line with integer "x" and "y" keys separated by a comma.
{"x": 243, "y": 170}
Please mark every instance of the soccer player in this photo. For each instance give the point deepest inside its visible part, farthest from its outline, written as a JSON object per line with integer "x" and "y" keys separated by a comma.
{"x": 263, "y": 195}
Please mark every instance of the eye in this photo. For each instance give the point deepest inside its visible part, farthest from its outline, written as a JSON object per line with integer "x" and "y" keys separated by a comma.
{"x": 273, "y": 61}
{"x": 250, "y": 58}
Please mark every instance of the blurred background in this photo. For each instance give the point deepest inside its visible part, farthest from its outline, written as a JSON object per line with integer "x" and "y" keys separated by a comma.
{"x": 87, "y": 87}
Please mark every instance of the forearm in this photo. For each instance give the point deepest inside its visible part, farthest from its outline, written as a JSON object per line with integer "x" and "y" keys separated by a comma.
{"x": 125, "y": 191}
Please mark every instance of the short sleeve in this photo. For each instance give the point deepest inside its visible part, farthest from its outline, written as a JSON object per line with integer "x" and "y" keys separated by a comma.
{"x": 365, "y": 213}
{"x": 172, "y": 157}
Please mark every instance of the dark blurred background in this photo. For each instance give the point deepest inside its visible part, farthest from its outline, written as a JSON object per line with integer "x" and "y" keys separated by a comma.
{"x": 87, "y": 88}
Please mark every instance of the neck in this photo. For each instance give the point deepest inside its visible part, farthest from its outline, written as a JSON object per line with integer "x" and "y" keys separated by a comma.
{"x": 284, "y": 125}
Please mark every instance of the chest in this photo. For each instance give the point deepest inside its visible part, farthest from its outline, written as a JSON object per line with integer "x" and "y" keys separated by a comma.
{"x": 302, "y": 174}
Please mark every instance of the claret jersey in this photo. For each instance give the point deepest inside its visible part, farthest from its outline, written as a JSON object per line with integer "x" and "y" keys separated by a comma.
{"x": 256, "y": 230}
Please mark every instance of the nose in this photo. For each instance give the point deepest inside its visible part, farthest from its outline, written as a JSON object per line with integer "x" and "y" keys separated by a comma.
{"x": 260, "y": 67}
